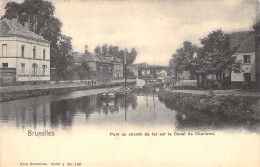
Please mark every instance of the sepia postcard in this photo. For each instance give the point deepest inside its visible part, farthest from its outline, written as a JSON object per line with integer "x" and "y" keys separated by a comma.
{"x": 138, "y": 83}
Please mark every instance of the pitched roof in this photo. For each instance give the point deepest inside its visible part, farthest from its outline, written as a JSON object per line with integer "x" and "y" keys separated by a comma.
{"x": 242, "y": 41}
{"x": 77, "y": 57}
{"x": 248, "y": 45}
{"x": 94, "y": 57}
{"x": 8, "y": 29}
{"x": 257, "y": 25}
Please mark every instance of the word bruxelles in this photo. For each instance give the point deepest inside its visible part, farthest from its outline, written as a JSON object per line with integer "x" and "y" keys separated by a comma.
{"x": 41, "y": 133}
{"x": 164, "y": 134}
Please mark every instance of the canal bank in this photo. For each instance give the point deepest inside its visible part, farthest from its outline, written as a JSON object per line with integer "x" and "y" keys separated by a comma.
{"x": 20, "y": 92}
{"x": 195, "y": 107}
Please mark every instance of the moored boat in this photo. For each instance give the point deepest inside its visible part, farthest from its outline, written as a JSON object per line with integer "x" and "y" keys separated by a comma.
{"x": 124, "y": 91}
{"x": 109, "y": 95}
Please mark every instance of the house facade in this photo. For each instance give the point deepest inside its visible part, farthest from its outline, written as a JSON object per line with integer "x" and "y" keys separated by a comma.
{"x": 244, "y": 43}
{"x": 117, "y": 66}
{"x": 257, "y": 52}
{"x": 102, "y": 68}
{"x": 24, "y": 55}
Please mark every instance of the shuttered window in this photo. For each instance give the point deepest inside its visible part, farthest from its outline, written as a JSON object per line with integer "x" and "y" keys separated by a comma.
{"x": 4, "y": 50}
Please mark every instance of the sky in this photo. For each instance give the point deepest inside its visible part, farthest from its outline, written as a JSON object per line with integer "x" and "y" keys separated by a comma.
{"x": 154, "y": 28}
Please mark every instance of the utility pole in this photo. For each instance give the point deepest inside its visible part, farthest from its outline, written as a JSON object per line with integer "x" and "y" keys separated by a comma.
{"x": 125, "y": 65}
{"x": 256, "y": 4}
{"x": 146, "y": 73}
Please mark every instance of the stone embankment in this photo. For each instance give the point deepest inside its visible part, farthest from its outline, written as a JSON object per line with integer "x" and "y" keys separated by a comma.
{"x": 224, "y": 107}
{"x": 20, "y": 94}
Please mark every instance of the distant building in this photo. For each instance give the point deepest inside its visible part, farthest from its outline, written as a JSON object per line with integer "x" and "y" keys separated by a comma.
{"x": 24, "y": 55}
{"x": 117, "y": 66}
{"x": 102, "y": 68}
{"x": 185, "y": 75}
{"x": 161, "y": 73}
{"x": 134, "y": 69}
{"x": 244, "y": 43}
{"x": 145, "y": 71}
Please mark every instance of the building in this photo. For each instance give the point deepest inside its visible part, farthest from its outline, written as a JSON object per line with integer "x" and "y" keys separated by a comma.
{"x": 117, "y": 66}
{"x": 24, "y": 55}
{"x": 244, "y": 43}
{"x": 257, "y": 52}
{"x": 102, "y": 68}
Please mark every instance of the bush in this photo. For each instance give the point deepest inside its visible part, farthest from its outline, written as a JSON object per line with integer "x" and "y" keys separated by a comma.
{"x": 224, "y": 107}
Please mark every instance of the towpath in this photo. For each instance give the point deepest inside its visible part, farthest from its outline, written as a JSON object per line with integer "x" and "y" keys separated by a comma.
{"x": 235, "y": 92}
{"x": 50, "y": 86}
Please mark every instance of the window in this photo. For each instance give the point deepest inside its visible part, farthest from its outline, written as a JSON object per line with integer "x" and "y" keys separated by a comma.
{"x": 34, "y": 52}
{"x": 5, "y": 65}
{"x": 34, "y": 69}
{"x": 22, "y": 69}
{"x": 44, "y": 67}
{"x": 4, "y": 50}
{"x": 101, "y": 69}
{"x": 22, "y": 51}
{"x": 247, "y": 58}
{"x": 43, "y": 54}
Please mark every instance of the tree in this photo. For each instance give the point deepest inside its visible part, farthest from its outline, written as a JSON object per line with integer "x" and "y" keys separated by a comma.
{"x": 216, "y": 55}
{"x": 41, "y": 16}
{"x": 130, "y": 57}
{"x": 104, "y": 49}
{"x": 173, "y": 64}
{"x": 82, "y": 70}
{"x": 85, "y": 68}
{"x": 182, "y": 60}
{"x": 40, "y": 13}
{"x": 113, "y": 50}
{"x": 98, "y": 50}
{"x": 12, "y": 10}
{"x": 63, "y": 61}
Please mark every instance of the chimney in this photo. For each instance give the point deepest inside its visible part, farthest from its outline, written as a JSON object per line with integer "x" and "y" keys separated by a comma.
{"x": 27, "y": 24}
{"x": 86, "y": 48}
{"x": 15, "y": 22}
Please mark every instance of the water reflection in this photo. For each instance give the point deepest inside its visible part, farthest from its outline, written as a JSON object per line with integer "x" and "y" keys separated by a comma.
{"x": 60, "y": 112}
{"x": 29, "y": 112}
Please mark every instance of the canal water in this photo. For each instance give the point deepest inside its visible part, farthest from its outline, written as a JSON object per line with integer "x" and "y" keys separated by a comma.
{"x": 81, "y": 108}
{"x": 89, "y": 130}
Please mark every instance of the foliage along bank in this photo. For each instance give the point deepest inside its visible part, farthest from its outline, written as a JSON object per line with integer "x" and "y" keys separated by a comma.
{"x": 212, "y": 110}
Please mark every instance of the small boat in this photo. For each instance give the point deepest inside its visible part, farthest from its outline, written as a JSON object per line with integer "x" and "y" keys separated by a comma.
{"x": 109, "y": 95}
{"x": 123, "y": 91}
